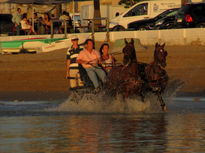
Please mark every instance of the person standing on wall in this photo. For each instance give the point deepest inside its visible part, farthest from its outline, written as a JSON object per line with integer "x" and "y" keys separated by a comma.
{"x": 16, "y": 19}
{"x": 72, "y": 66}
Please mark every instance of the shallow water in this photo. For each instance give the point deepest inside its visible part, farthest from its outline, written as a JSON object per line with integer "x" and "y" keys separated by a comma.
{"x": 91, "y": 127}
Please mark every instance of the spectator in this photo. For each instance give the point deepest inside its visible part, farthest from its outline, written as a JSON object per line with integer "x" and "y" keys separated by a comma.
{"x": 65, "y": 17}
{"x": 72, "y": 66}
{"x": 47, "y": 21}
{"x": 26, "y": 26}
{"x": 35, "y": 18}
{"x": 90, "y": 58}
{"x": 107, "y": 59}
{"x": 70, "y": 23}
{"x": 41, "y": 27}
{"x": 16, "y": 19}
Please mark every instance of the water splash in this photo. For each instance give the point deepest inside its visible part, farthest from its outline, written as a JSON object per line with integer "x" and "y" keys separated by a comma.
{"x": 172, "y": 88}
{"x": 102, "y": 103}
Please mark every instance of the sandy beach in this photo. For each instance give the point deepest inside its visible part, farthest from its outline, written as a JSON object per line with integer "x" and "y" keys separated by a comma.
{"x": 43, "y": 76}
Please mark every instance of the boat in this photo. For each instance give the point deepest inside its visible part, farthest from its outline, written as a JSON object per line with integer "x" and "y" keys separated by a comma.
{"x": 31, "y": 45}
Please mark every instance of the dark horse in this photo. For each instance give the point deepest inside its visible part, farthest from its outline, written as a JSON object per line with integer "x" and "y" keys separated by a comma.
{"x": 125, "y": 79}
{"x": 155, "y": 75}
{"x": 136, "y": 78}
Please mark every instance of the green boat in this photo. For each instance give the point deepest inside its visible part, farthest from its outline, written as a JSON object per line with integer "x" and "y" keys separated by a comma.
{"x": 32, "y": 44}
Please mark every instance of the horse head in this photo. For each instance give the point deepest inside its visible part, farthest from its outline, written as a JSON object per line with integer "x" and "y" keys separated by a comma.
{"x": 129, "y": 52}
{"x": 160, "y": 54}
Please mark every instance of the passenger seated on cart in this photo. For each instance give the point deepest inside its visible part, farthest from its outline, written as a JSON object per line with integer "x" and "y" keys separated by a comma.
{"x": 73, "y": 73}
{"x": 107, "y": 59}
{"x": 90, "y": 60}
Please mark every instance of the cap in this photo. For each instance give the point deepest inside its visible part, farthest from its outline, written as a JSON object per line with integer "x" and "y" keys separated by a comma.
{"x": 74, "y": 37}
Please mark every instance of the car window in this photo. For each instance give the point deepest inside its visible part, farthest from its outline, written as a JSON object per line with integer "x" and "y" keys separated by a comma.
{"x": 163, "y": 14}
{"x": 172, "y": 13}
{"x": 138, "y": 10}
{"x": 183, "y": 10}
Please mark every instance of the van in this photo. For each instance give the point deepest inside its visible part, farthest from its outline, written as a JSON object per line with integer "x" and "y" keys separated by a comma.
{"x": 106, "y": 11}
{"x": 142, "y": 10}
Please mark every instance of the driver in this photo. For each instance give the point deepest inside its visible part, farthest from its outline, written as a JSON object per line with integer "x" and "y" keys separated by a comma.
{"x": 90, "y": 58}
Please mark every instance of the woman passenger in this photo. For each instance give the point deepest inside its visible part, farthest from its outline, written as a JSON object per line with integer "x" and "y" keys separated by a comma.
{"x": 107, "y": 59}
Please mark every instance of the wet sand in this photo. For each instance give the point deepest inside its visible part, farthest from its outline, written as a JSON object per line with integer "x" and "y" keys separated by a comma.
{"x": 43, "y": 76}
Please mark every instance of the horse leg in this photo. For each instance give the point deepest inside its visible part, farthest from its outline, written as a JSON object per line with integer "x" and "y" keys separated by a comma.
{"x": 162, "y": 104}
{"x": 125, "y": 105}
{"x": 141, "y": 93}
{"x": 142, "y": 97}
{"x": 125, "y": 96}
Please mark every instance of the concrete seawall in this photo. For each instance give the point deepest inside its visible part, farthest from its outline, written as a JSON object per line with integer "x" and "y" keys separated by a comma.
{"x": 194, "y": 36}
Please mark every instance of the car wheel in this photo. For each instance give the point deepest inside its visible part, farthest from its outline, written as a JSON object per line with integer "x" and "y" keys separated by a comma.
{"x": 201, "y": 25}
{"x": 118, "y": 28}
{"x": 142, "y": 28}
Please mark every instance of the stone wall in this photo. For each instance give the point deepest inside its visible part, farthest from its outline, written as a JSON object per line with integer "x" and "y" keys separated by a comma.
{"x": 192, "y": 36}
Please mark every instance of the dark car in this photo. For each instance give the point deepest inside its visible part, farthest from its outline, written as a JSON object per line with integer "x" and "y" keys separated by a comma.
{"x": 6, "y": 25}
{"x": 148, "y": 23}
{"x": 167, "y": 22}
{"x": 191, "y": 15}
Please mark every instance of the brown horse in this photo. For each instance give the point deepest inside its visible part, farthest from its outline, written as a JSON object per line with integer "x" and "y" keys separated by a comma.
{"x": 155, "y": 74}
{"x": 125, "y": 79}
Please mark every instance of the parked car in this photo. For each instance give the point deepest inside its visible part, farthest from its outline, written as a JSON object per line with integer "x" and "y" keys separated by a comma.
{"x": 148, "y": 24}
{"x": 6, "y": 25}
{"x": 191, "y": 15}
{"x": 142, "y": 10}
{"x": 167, "y": 22}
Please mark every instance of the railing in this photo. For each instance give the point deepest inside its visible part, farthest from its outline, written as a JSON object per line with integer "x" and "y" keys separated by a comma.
{"x": 92, "y": 21}
{"x": 90, "y": 27}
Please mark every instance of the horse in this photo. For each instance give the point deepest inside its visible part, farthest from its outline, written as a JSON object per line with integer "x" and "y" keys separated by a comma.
{"x": 155, "y": 75}
{"x": 125, "y": 79}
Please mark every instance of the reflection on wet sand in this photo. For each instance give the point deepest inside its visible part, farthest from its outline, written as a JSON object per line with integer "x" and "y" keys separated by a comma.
{"x": 186, "y": 133}
{"x": 86, "y": 133}
{"x": 117, "y": 133}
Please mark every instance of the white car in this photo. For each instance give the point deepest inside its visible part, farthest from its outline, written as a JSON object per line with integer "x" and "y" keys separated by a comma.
{"x": 140, "y": 11}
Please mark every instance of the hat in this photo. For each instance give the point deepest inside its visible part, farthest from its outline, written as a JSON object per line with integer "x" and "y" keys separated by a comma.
{"x": 74, "y": 37}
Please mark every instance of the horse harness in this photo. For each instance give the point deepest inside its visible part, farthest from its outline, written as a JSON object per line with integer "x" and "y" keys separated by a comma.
{"x": 132, "y": 78}
{"x": 156, "y": 83}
